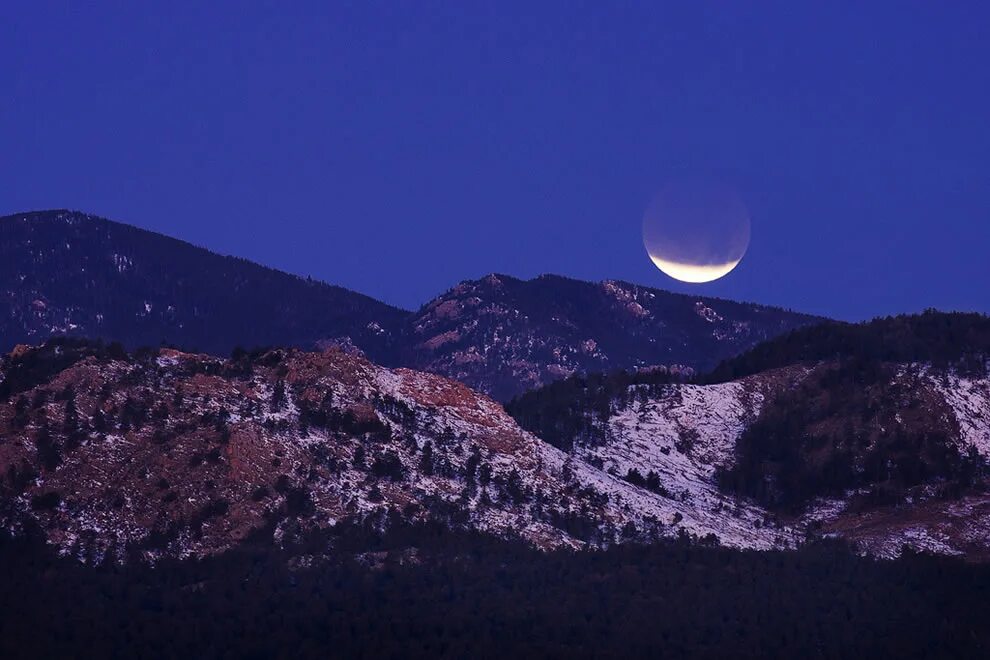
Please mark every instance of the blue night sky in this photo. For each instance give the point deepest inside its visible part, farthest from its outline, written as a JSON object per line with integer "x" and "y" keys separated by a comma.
{"x": 396, "y": 148}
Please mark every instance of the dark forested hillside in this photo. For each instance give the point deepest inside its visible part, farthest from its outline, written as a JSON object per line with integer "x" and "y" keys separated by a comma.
{"x": 63, "y": 272}
{"x": 859, "y": 422}
{"x": 852, "y": 425}
{"x": 575, "y": 408}
{"x": 430, "y": 593}
{"x": 940, "y": 338}
{"x": 884, "y": 415}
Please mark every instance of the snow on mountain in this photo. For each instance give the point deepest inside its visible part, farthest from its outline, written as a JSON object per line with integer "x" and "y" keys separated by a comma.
{"x": 167, "y": 453}
{"x": 678, "y": 440}
{"x": 682, "y": 435}
{"x": 969, "y": 399}
{"x": 184, "y": 455}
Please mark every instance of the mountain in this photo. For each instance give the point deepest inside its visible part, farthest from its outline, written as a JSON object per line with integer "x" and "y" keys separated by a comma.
{"x": 171, "y": 502}
{"x": 960, "y": 339}
{"x": 162, "y": 453}
{"x": 64, "y": 272}
{"x": 877, "y": 433}
{"x": 503, "y": 335}
{"x": 171, "y": 454}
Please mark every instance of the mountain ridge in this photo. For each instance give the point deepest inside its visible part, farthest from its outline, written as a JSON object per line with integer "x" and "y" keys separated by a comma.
{"x": 162, "y": 453}
{"x": 66, "y": 272}
{"x": 885, "y": 443}
{"x": 76, "y": 274}
{"x": 170, "y": 454}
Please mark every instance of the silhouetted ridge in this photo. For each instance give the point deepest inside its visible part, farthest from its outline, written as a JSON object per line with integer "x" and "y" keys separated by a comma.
{"x": 63, "y": 272}
{"x": 68, "y": 273}
{"x": 939, "y": 337}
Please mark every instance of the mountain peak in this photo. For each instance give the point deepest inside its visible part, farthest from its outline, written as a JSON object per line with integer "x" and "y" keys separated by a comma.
{"x": 504, "y": 335}
{"x": 68, "y": 272}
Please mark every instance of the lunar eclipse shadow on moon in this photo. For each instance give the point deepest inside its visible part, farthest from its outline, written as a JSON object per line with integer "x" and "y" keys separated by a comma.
{"x": 696, "y": 231}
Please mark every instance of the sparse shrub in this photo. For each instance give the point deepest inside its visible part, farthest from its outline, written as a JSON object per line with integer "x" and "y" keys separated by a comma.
{"x": 48, "y": 500}
{"x": 426, "y": 458}
{"x": 388, "y": 465}
{"x": 298, "y": 501}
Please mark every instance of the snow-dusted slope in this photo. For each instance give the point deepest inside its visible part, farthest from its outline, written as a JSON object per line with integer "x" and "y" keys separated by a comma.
{"x": 928, "y": 520}
{"x": 180, "y": 454}
{"x": 677, "y": 437}
{"x": 688, "y": 429}
{"x": 682, "y": 436}
{"x": 969, "y": 399}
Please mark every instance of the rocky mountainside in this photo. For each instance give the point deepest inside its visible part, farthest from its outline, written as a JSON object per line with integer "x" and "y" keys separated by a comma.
{"x": 503, "y": 335}
{"x": 165, "y": 453}
{"x": 912, "y": 471}
{"x": 876, "y": 433}
{"x": 66, "y": 273}
{"x": 882, "y": 453}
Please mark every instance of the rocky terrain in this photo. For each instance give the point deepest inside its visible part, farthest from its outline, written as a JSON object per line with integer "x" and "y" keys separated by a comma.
{"x": 681, "y": 440}
{"x": 162, "y": 453}
{"x": 166, "y": 453}
{"x": 67, "y": 273}
{"x": 503, "y": 335}
{"x": 882, "y": 453}
{"x": 878, "y": 434}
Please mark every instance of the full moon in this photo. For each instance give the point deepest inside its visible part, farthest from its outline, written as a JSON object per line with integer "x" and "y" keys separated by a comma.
{"x": 696, "y": 231}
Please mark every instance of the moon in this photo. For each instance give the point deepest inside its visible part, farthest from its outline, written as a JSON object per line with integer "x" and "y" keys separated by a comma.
{"x": 696, "y": 231}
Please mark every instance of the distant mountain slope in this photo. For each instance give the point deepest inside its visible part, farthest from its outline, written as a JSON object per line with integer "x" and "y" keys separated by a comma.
{"x": 503, "y": 335}
{"x": 64, "y": 272}
{"x": 68, "y": 273}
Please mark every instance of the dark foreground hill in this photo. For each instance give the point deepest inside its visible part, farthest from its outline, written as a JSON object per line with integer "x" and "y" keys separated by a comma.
{"x": 939, "y": 338}
{"x": 420, "y": 593}
{"x": 67, "y": 273}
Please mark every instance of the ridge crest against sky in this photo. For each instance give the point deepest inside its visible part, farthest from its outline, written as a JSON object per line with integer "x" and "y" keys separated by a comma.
{"x": 393, "y": 150}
